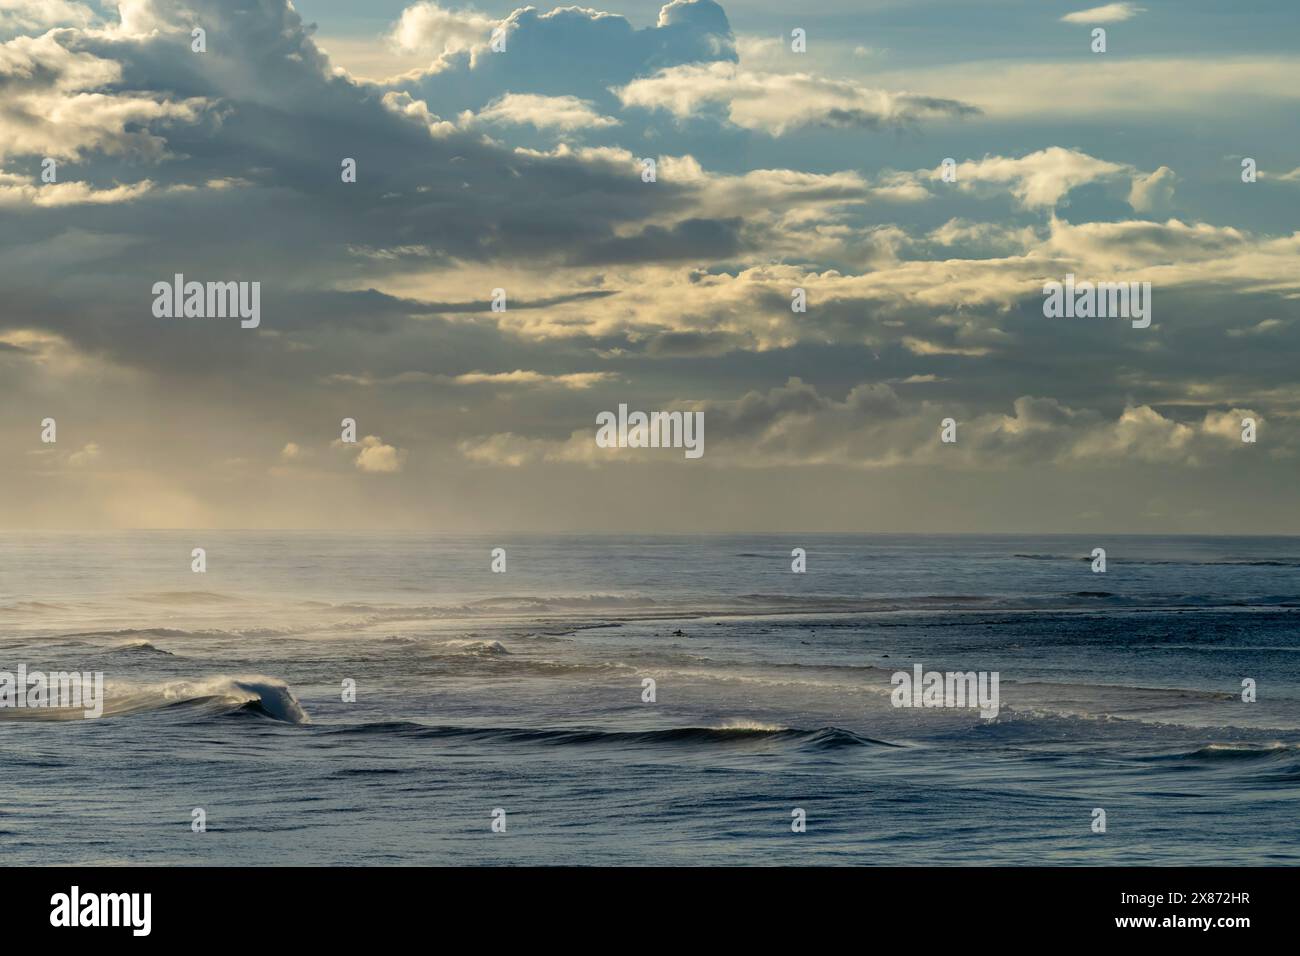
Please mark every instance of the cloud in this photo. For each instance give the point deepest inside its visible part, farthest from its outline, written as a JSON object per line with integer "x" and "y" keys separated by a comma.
{"x": 27, "y": 15}
{"x": 1042, "y": 179}
{"x": 777, "y": 103}
{"x": 1174, "y": 90}
{"x": 984, "y": 236}
{"x": 1038, "y": 180}
{"x": 1264, "y": 327}
{"x": 71, "y": 194}
{"x": 545, "y": 112}
{"x": 540, "y": 52}
{"x": 577, "y": 381}
{"x": 922, "y": 296}
{"x": 695, "y": 239}
{"x": 796, "y": 425}
{"x": 925, "y": 298}
{"x": 507, "y": 450}
{"x": 1138, "y": 243}
{"x": 378, "y": 458}
{"x": 87, "y": 455}
{"x": 57, "y": 101}
{"x": 1154, "y": 193}
{"x": 919, "y": 346}
{"x": 1108, "y": 13}
{"x": 429, "y": 28}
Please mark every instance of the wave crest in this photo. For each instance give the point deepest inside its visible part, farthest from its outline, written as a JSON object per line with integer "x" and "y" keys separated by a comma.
{"x": 254, "y": 694}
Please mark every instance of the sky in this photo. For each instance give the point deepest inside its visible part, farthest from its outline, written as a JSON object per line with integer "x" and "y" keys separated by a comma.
{"x": 776, "y": 168}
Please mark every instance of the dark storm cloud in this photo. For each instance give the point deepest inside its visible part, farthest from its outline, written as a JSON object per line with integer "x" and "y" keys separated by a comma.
{"x": 271, "y": 125}
{"x": 702, "y": 239}
{"x": 912, "y": 105}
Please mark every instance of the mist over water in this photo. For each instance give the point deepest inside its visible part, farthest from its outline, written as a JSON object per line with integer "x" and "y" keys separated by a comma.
{"x": 523, "y": 691}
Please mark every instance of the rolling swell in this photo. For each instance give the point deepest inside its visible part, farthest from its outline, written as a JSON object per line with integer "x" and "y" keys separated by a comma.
{"x": 1259, "y": 765}
{"x": 826, "y": 738}
{"x": 140, "y": 647}
{"x": 1218, "y": 753}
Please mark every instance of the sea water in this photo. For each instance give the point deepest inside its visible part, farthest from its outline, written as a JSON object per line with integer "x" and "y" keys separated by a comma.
{"x": 522, "y": 696}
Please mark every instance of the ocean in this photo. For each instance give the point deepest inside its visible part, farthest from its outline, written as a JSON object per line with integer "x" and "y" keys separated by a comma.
{"x": 505, "y": 718}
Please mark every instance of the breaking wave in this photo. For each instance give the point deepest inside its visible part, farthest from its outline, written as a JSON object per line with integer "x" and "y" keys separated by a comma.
{"x": 255, "y": 694}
